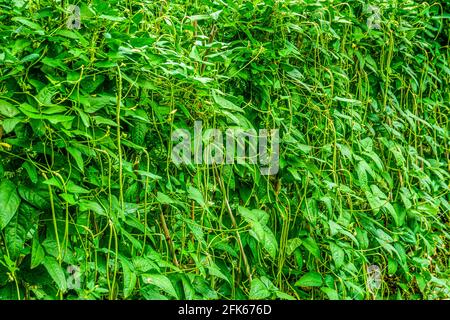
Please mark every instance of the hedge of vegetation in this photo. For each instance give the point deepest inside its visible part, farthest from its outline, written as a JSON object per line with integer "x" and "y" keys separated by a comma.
{"x": 93, "y": 207}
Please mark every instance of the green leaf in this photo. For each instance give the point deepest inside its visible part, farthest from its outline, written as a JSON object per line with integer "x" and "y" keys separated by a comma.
{"x": 92, "y": 104}
{"x": 31, "y": 170}
{"x": 257, "y": 220}
{"x": 392, "y": 266}
{"x": 138, "y": 132}
{"x": 164, "y": 199}
{"x": 10, "y": 124}
{"x": 76, "y": 154}
{"x": 31, "y": 196}
{"x": 284, "y": 296}
{"x": 214, "y": 270}
{"x": 37, "y": 253}
{"x": 17, "y": 229}
{"x": 195, "y": 194}
{"x": 28, "y": 23}
{"x": 86, "y": 205}
{"x": 350, "y": 101}
{"x": 338, "y": 254}
{"x": 331, "y": 293}
{"x": 421, "y": 282}
{"x": 362, "y": 237}
{"x": 375, "y": 203}
{"x": 258, "y": 290}
{"x": 30, "y": 57}
{"x": 311, "y": 245}
{"x": 112, "y": 18}
{"x": 56, "y": 272}
{"x": 53, "y": 119}
{"x": 129, "y": 277}
{"x": 53, "y": 181}
{"x": 69, "y": 198}
{"x": 7, "y": 109}
{"x": 254, "y": 215}
{"x": 54, "y": 63}
{"x": 142, "y": 264}
{"x": 293, "y": 244}
{"x": 161, "y": 282}
{"x": 362, "y": 175}
{"x": 310, "y": 279}
{"x": 390, "y": 209}
{"x": 102, "y": 120}
{"x": 73, "y": 188}
{"x": 226, "y": 104}
{"x": 269, "y": 242}
{"x": 50, "y": 247}
{"x": 9, "y": 202}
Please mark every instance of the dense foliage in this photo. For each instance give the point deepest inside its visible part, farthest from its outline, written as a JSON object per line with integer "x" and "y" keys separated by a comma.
{"x": 92, "y": 207}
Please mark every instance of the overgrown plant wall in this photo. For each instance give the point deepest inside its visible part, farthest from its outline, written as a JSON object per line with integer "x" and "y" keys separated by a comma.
{"x": 93, "y": 207}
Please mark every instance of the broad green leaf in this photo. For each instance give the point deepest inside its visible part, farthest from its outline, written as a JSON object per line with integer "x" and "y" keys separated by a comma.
{"x": 161, "y": 282}
{"x": 310, "y": 279}
{"x": 269, "y": 241}
{"x": 254, "y": 215}
{"x": 259, "y": 230}
{"x": 28, "y": 23}
{"x": 78, "y": 157}
{"x": 311, "y": 245}
{"x": 293, "y": 244}
{"x": 10, "y": 124}
{"x": 338, "y": 254}
{"x": 390, "y": 209}
{"x": 31, "y": 170}
{"x": 226, "y": 104}
{"x": 9, "y": 201}
{"x": 86, "y": 205}
{"x": 363, "y": 238}
{"x": 163, "y": 198}
{"x": 56, "y": 272}
{"x": 143, "y": 264}
{"x": 73, "y": 188}
{"x": 421, "y": 282}
{"x": 331, "y": 293}
{"x": 258, "y": 290}
{"x": 362, "y": 175}
{"x": 214, "y": 270}
{"x": 29, "y": 57}
{"x": 392, "y": 266}
{"x": 53, "y": 181}
{"x": 17, "y": 229}
{"x": 7, "y": 109}
{"x": 129, "y": 277}
{"x": 375, "y": 203}
{"x": 188, "y": 288}
{"x": 53, "y": 119}
{"x": 195, "y": 194}
{"x": 37, "y": 253}
{"x": 54, "y": 63}
{"x": 102, "y": 120}
{"x": 34, "y": 198}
